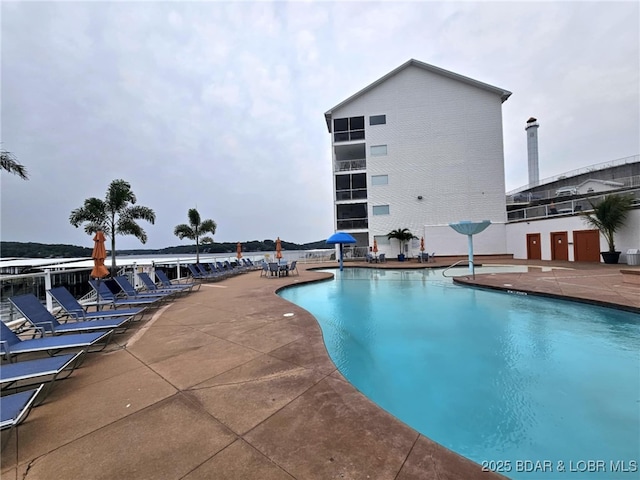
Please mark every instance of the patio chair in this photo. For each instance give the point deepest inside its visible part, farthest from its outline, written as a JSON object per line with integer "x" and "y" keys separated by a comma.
{"x": 382, "y": 258}
{"x": 131, "y": 292}
{"x": 293, "y": 268}
{"x": 45, "y": 371}
{"x": 73, "y": 309}
{"x": 12, "y": 345}
{"x": 166, "y": 282}
{"x": 153, "y": 288}
{"x": 264, "y": 272}
{"x": 109, "y": 298}
{"x": 14, "y": 409}
{"x": 274, "y": 269}
{"x": 37, "y": 314}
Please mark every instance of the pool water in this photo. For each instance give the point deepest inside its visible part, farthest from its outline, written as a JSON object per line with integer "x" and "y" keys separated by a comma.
{"x": 502, "y": 379}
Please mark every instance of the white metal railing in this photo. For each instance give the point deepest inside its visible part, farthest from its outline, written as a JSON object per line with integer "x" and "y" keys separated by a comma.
{"x": 348, "y": 165}
{"x": 520, "y": 197}
{"x": 567, "y": 207}
{"x": 592, "y": 168}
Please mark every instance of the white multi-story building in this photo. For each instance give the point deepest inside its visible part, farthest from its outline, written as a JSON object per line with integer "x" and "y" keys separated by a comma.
{"x": 420, "y": 148}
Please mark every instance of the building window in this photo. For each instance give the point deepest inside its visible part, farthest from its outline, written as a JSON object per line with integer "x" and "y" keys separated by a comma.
{"x": 351, "y": 187}
{"x": 381, "y": 210}
{"x": 379, "y": 179}
{"x": 377, "y": 119}
{"x": 351, "y": 215}
{"x": 345, "y": 129}
{"x": 382, "y": 240}
{"x": 378, "y": 150}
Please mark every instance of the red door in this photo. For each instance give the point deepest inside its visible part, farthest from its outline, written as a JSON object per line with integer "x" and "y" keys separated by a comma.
{"x": 586, "y": 245}
{"x": 534, "y": 252}
{"x": 559, "y": 246}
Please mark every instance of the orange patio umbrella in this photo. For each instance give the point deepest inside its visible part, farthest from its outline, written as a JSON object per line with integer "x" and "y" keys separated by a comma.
{"x": 375, "y": 246}
{"x": 278, "y": 249}
{"x": 99, "y": 255}
{"x": 421, "y": 248}
{"x": 239, "y": 250}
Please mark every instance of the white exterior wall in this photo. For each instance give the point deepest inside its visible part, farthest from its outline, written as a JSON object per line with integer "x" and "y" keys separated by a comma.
{"x": 516, "y": 234}
{"x": 444, "y": 143}
{"x": 442, "y": 240}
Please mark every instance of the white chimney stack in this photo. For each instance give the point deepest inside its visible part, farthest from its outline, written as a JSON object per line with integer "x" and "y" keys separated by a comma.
{"x": 532, "y": 150}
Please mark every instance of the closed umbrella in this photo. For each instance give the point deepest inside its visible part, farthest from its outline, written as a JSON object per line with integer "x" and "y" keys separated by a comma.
{"x": 421, "y": 249}
{"x": 99, "y": 255}
{"x": 278, "y": 249}
{"x": 239, "y": 250}
{"x": 375, "y": 248}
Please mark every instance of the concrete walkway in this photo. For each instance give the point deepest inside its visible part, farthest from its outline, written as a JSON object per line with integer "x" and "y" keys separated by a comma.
{"x": 233, "y": 382}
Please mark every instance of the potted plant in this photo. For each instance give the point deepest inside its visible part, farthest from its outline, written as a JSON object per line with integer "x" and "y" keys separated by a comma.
{"x": 402, "y": 235}
{"x": 609, "y": 216}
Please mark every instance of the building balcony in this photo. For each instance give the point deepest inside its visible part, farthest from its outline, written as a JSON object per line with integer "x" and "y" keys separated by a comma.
{"x": 349, "y": 165}
{"x": 355, "y": 194}
{"x": 352, "y": 223}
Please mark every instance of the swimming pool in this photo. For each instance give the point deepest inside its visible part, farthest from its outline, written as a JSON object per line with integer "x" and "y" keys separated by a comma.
{"x": 505, "y": 380}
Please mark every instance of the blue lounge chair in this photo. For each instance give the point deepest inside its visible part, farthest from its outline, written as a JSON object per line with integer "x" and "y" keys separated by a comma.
{"x": 14, "y": 409}
{"x": 131, "y": 292}
{"x": 74, "y": 309}
{"x": 217, "y": 271}
{"x": 37, "y": 314}
{"x": 153, "y": 288}
{"x": 199, "y": 275}
{"x": 43, "y": 371}
{"x": 109, "y": 298}
{"x": 12, "y": 345}
{"x": 166, "y": 282}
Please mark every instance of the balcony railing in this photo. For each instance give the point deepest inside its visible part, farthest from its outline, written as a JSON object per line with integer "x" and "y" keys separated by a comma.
{"x": 348, "y": 165}
{"x": 568, "y": 207}
{"x": 355, "y": 194}
{"x": 348, "y": 136}
{"x": 352, "y": 223}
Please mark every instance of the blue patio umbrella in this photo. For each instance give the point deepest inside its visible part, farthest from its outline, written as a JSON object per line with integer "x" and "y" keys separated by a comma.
{"x": 469, "y": 229}
{"x": 340, "y": 238}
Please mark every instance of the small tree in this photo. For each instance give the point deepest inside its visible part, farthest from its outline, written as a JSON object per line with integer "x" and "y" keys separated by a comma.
{"x": 9, "y": 163}
{"x": 609, "y": 216}
{"x": 402, "y": 235}
{"x": 195, "y": 229}
{"x": 115, "y": 215}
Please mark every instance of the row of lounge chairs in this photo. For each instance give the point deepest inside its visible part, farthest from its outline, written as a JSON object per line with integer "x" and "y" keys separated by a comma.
{"x": 220, "y": 270}
{"x": 67, "y": 338}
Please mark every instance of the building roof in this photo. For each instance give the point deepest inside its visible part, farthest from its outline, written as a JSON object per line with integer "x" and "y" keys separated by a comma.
{"x": 504, "y": 94}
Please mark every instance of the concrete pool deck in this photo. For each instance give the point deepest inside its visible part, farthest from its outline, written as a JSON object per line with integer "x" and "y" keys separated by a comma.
{"x": 234, "y": 382}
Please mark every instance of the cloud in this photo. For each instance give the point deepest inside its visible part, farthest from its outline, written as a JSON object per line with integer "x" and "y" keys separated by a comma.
{"x": 220, "y": 105}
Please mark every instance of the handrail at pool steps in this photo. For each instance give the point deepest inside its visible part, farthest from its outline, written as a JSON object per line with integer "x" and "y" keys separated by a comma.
{"x": 455, "y": 265}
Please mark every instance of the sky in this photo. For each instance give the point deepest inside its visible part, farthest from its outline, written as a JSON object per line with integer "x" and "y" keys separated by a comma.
{"x": 220, "y": 106}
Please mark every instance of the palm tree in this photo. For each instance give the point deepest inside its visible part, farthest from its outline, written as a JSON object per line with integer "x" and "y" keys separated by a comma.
{"x": 115, "y": 215}
{"x": 609, "y": 216}
{"x": 402, "y": 235}
{"x": 195, "y": 229}
{"x": 9, "y": 163}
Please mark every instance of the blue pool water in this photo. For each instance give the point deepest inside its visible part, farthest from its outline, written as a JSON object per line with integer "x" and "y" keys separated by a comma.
{"x": 505, "y": 380}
